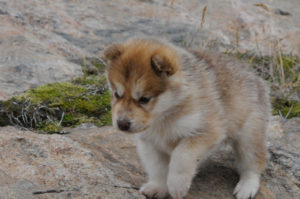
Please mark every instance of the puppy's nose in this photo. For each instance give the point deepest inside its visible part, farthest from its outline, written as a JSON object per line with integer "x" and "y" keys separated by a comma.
{"x": 123, "y": 125}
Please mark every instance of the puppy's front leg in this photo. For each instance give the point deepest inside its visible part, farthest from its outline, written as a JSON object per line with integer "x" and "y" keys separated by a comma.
{"x": 156, "y": 166}
{"x": 185, "y": 159}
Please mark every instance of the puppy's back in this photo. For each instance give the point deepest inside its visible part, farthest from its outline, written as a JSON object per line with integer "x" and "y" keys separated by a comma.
{"x": 241, "y": 92}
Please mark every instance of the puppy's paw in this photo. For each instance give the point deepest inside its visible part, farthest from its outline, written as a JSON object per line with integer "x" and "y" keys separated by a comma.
{"x": 247, "y": 187}
{"x": 154, "y": 190}
{"x": 178, "y": 186}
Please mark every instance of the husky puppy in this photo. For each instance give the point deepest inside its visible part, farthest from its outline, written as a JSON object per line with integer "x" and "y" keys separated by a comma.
{"x": 183, "y": 104}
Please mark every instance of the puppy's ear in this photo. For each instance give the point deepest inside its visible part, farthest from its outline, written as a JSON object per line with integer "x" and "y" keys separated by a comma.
{"x": 114, "y": 51}
{"x": 163, "y": 65}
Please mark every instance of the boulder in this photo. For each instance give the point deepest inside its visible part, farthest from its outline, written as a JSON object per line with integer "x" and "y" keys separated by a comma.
{"x": 40, "y": 41}
{"x": 89, "y": 163}
{"x": 92, "y": 162}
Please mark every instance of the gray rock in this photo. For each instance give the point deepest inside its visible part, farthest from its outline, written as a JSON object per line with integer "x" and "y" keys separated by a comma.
{"x": 92, "y": 162}
{"x": 88, "y": 163}
{"x": 39, "y": 39}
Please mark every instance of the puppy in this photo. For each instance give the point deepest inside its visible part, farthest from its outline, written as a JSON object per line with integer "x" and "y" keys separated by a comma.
{"x": 183, "y": 104}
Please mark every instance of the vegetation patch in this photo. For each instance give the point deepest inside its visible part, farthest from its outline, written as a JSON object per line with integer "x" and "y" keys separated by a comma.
{"x": 283, "y": 74}
{"x": 286, "y": 108}
{"x": 51, "y": 107}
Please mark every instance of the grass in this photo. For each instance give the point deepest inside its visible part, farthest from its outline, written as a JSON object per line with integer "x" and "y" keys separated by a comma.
{"x": 286, "y": 108}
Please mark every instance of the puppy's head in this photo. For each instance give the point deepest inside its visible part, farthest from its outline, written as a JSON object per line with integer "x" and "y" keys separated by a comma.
{"x": 139, "y": 73}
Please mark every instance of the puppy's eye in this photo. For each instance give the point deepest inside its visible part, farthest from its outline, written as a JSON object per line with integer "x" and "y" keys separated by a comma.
{"x": 144, "y": 100}
{"x": 117, "y": 95}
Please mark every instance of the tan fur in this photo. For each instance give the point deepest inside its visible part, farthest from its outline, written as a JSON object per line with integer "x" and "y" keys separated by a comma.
{"x": 197, "y": 99}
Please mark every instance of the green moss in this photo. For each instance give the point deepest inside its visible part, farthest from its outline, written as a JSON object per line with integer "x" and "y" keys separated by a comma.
{"x": 86, "y": 119}
{"x": 69, "y": 97}
{"x": 51, "y": 107}
{"x": 50, "y": 127}
{"x": 99, "y": 65}
{"x": 105, "y": 99}
{"x": 54, "y": 93}
{"x": 85, "y": 99}
{"x": 93, "y": 80}
{"x": 106, "y": 119}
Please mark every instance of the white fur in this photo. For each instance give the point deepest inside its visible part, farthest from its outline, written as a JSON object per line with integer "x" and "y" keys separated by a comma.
{"x": 136, "y": 92}
{"x": 179, "y": 185}
{"x": 159, "y": 133}
{"x": 165, "y": 101}
{"x": 157, "y": 169}
{"x": 247, "y": 186}
{"x": 154, "y": 190}
{"x": 120, "y": 89}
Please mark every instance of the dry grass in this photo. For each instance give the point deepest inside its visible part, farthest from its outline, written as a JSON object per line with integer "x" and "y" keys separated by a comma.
{"x": 203, "y": 16}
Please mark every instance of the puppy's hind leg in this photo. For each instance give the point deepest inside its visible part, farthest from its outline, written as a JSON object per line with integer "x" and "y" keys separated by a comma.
{"x": 156, "y": 166}
{"x": 251, "y": 153}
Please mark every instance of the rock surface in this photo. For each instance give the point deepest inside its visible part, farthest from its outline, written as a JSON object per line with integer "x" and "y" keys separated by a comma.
{"x": 92, "y": 162}
{"x": 42, "y": 41}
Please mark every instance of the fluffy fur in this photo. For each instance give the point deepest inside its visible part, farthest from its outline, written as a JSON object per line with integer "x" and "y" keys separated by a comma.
{"x": 183, "y": 104}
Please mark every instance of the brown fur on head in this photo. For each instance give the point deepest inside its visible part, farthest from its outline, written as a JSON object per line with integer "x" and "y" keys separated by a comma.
{"x": 138, "y": 74}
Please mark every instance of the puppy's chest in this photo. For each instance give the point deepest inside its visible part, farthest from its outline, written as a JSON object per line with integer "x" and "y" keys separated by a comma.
{"x": 163, "y": 143}
{"x": 163, "y": 139}
{"x": 165, "y": 135}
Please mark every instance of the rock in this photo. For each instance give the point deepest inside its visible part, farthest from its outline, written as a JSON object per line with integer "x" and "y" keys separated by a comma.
{"x": 39, "y": 40}
{"x": 89, "y": 163}
{"x": 92, "y": 162}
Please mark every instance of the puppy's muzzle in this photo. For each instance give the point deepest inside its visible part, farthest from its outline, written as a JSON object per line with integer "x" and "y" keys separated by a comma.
{"x": 124, "y": 124}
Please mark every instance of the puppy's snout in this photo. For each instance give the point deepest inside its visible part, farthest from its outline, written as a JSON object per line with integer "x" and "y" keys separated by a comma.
{"x": 124, "y": 124}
